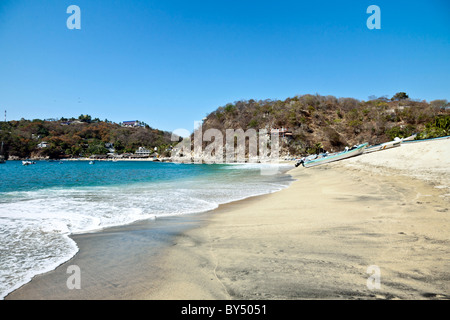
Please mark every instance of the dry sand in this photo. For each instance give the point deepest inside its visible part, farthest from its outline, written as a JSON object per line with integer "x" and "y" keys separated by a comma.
{"x": 313, "y": 240}
{"x": 316, "y": 239}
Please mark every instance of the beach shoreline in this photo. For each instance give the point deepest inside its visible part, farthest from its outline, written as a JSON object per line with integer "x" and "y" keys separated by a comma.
{"x": 88, "y": 242}
{"x": 299, "y": 256}
{"x": 315, "y": 239}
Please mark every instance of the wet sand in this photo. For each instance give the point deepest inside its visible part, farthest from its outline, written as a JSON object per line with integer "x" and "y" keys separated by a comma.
{"x": 115, "y": 263}
{"x": 313, "y": 240}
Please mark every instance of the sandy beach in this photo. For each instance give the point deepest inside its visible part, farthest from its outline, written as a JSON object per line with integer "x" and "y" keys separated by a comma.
{"x": 313, "y": 240}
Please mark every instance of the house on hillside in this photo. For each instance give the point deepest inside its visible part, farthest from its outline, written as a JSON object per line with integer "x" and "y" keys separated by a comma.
{"x": 131, "y": 124}
{"x": 142, "y": 151}
{"x": 282, "y": 132}
{"x": 43, "y": 145}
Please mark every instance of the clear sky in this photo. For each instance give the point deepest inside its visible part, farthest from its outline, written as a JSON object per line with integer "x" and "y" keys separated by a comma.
{"x": 171, "y": 62}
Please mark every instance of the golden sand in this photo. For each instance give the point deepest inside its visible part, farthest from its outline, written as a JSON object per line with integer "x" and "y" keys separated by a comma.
{"x": 318, "y": 239}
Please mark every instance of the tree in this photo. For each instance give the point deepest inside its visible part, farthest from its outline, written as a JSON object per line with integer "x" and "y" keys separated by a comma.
{"x": 119, "y": 146}
{"x": 97, "y": 147}
{"x": 85, "y": 118}
{"x": 440, "y": 103}
{"x": 400, "y": 96}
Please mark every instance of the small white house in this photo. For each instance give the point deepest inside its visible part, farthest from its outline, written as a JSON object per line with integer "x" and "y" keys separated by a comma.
{"x": 131, "y": 124}
{"x": 142, "y": 151}
{"x": 43, "y": 145}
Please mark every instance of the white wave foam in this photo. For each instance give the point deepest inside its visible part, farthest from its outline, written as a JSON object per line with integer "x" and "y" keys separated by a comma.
{"x": 35, "y": 225}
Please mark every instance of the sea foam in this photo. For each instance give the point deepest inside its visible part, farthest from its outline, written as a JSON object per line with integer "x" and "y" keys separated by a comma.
{"x": 36, "y": 224}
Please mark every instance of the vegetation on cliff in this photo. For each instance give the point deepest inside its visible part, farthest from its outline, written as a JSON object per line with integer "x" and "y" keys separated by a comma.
{"x": 316, "y": 122}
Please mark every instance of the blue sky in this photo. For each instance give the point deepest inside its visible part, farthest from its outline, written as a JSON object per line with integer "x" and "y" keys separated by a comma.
{"x": 171, "y": 62}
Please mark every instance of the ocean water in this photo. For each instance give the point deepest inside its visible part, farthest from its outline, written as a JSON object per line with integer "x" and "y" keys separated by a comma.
{"x": 42, "y": 204}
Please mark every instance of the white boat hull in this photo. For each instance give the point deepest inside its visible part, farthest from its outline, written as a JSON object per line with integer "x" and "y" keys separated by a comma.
{"x": 410, "y": 138}
{"x": 336, "y": 157}
{"x": 384, "y": 146}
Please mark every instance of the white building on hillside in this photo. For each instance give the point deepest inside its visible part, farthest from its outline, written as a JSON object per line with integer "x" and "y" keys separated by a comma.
{"x": 142, "y": 151}
{"x": 43, "y": 145}
{"x": 131, "y": 124}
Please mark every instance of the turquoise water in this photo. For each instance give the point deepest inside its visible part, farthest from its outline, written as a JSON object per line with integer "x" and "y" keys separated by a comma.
{"x": 42, "y": 204}
{"x": 69, "y": 174}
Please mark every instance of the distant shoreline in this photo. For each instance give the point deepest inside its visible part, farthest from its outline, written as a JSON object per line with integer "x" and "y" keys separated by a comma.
{"x": 171, "y": 160}
{"x": 160, "y": 160}
{"x": 120, "y": 159}
{"x": 88, "y": 159}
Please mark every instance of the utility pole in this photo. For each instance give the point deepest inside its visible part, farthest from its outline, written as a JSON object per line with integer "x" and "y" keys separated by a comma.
{"x": 5, "y": 115}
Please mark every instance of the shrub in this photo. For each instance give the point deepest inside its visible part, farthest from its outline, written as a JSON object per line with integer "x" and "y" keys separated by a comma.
{"x": 317, "y": 148}
{"x": 439, "y": 127}
{"x": 400, "y": 132}
{"x": 229, "y": 108}
{"x": 253, "y": 123}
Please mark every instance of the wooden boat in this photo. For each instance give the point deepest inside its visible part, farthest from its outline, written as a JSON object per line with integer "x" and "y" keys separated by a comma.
{"x": 327, "y": 158}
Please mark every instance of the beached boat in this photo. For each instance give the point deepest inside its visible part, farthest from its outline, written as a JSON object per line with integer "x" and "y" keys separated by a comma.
{"x": 383, "y": 146}
{"x": 410, "y": 138}
{"x": 327, "y": 158}
{"x": 305, "y": 159}
{"x": 425, "y": 140}
{"x": 397, "y": 142}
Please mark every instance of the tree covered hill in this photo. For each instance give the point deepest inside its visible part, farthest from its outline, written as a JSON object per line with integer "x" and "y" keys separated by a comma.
{"x": 315, "y": 122}
{"x": 312, "y": 123}
{"x": 65, "y": 138}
